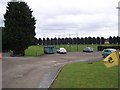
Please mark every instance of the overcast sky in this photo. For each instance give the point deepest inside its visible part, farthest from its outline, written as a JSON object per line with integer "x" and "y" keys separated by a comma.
{"x": 64, "y": 18}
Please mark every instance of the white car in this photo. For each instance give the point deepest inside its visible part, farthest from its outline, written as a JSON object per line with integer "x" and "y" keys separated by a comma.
{"x": 62, "y": 51}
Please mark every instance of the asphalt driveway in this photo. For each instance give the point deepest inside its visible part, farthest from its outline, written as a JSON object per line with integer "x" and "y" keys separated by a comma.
{"x": 29, "y": 72}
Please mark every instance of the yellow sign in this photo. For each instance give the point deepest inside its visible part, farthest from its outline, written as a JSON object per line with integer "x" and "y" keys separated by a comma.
{"x": 112, "y": 59}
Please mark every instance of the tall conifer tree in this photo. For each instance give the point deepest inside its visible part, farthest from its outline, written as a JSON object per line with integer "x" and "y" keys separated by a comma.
{"x": 19, "y": 26}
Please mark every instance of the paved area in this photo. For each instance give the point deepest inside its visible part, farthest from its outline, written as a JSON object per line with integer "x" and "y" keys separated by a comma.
{"x": 30, "y": 72}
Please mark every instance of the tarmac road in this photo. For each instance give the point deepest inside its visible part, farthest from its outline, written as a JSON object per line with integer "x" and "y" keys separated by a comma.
{"x": 28, "y": 72}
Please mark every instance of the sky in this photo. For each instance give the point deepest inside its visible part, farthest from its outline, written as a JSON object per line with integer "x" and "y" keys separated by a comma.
{"x": 72, "y": 18}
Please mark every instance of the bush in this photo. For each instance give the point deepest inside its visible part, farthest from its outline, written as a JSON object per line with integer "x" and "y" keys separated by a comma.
{"x": 34, "y": 51}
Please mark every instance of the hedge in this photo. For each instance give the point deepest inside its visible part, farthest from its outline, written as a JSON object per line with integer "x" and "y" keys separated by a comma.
{"x": 100, "y": 48}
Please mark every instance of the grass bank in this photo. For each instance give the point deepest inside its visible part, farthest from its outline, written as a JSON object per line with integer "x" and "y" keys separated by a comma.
{"x": 84, "y": 75}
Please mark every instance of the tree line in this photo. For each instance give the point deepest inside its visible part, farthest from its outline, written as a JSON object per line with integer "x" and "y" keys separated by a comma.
{"x": 114, "y": 40}
{"x": 75, "y": 40}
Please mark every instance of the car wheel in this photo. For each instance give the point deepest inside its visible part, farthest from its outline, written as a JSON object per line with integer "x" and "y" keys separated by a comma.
{"x": 104, "y": 56}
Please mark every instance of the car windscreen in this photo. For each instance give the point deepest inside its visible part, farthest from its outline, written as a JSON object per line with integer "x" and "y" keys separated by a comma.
{"x": 107, "y": 51}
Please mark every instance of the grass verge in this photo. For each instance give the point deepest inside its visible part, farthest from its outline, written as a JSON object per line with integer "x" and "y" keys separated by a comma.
{"x": 84, "y": 75}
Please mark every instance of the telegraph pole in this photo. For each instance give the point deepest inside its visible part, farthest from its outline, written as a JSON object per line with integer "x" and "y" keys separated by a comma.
{"x": 59, "y": 41}
{"x": 64, "y": 40}
{"x": 69, "y": 43}
{"x": 76, "y": 40}
{"x": 118, "y": 18}
{"x": 119, "y": 36}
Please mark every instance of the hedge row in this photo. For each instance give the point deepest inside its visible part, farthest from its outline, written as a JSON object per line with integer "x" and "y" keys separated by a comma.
{"x": 100, "y": 48}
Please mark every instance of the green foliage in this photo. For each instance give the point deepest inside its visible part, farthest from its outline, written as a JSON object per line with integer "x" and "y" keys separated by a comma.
{"x": 34, "y": 51}
{"x": 84, "y": 75}
{"x": 19, "y": 27}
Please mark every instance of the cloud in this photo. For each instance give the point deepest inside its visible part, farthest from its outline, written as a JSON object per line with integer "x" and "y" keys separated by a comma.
{"x": 80, "y": 16}
{"x": 68, "y": 17}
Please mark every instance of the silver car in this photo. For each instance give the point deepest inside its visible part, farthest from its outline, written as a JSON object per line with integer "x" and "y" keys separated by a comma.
{"x": 88, "y": 49}
{"x": 107, "y": 52}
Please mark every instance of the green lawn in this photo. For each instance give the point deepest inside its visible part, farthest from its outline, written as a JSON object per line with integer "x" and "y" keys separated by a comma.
{"x": 84, "y": 75}
{"x": 34, "y": 51}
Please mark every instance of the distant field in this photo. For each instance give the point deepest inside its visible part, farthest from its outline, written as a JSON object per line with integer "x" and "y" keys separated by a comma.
{"x": 84, "y": 75}
{"x": 79, "y": 48}
{"x": 38, "y": 49}
{"x": 76, "y": 48}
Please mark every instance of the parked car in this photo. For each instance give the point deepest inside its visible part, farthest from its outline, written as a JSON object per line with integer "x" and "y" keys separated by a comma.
{"x": 88, "y": 49}
{"x": 62, "y": 51}
{"x": 107, "y": 52}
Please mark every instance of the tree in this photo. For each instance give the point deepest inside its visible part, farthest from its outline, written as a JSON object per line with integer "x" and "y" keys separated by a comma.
{"x": 118, "y": 39}
{"x": 5, "y": 46}
{"x": 114, "y": 40}
{"x": 34, "y": 41}
{"x": 78, "y": 40}
{"x": 70, "y": 40}
{"x": 86, "y": 40}
{"x": 98, "y": 40}
{"x": 44, "y": 41}
{"x": 82, "y": 40}
{"x": 40, "y": 41}
{"x": 94, "y": 40}
{"x": 89, "y": 40}
{"x": 74, "y": 40}
{"x": 48, "y": 41}
{"x": 62, "y": 41}
{"x": 102, "y": 40}
{"x": 66, "y": 40}
{"x": 52, "y": 41}
{"x": 55, "y": 40}
{"x": 1, "y": 39}
{"x": 110, "y": 40}
{"x": 19, "y": 26}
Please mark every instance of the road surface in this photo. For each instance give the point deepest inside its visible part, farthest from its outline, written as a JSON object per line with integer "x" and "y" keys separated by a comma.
{"x": 28, "y": 72}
